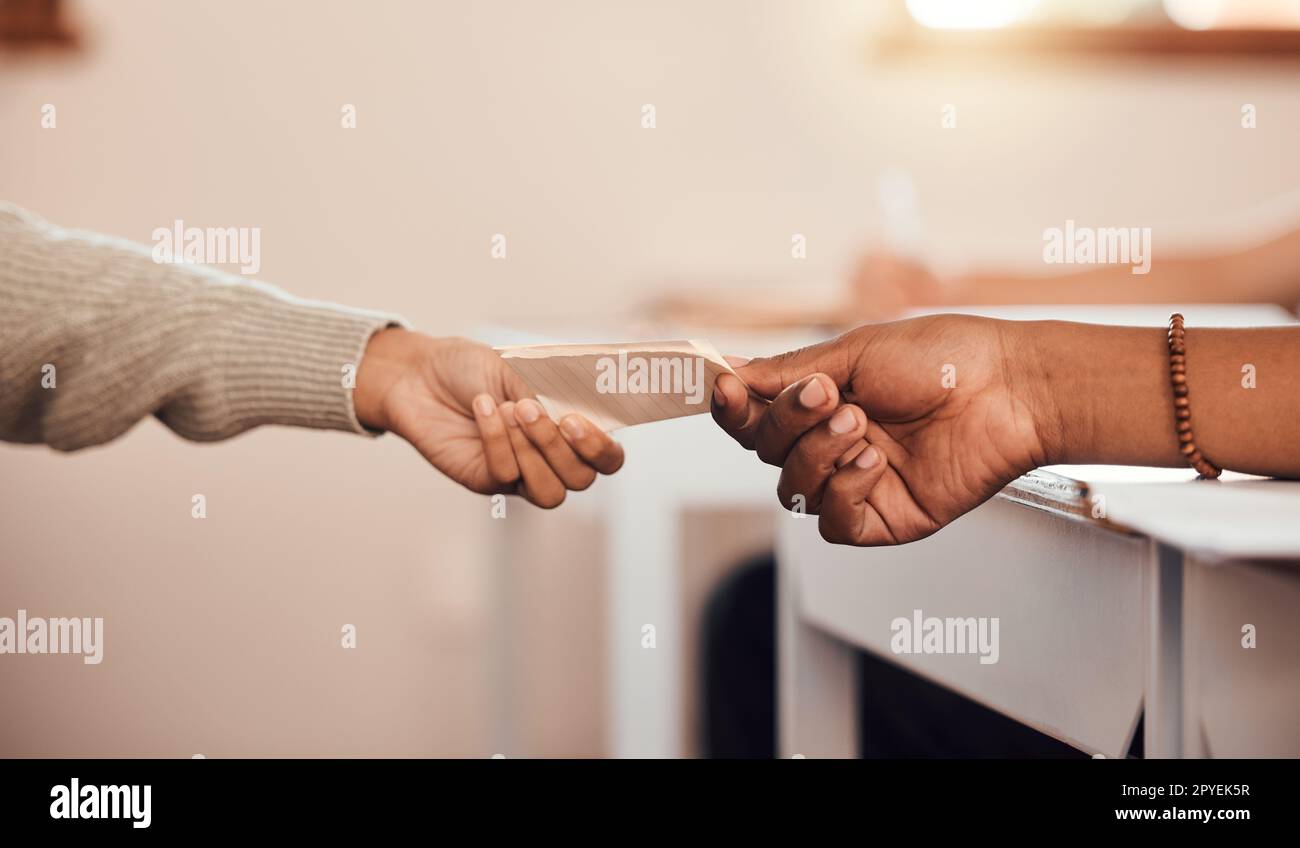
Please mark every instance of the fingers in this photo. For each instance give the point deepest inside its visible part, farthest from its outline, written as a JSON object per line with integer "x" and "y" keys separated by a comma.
{"x": 769, "y": 375}
{"x": 549, "y": 460}
{"x": 772, "y": 428}
{"x": 816, "y": 456}
{"x": 538, "y": 483}
{"x": 591, "y": 443}
{"x": 736, "y": 410}
{"x": 847, "y": 516}
{"x": 542, "y": 432}
{"x": 497, "y": 450}
{"x": 798, "y": 409}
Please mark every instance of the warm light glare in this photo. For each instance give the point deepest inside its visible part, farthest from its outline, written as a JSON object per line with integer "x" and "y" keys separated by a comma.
{"x": 1237, "y": 14}
{"x": 1194, "y": 14}
{"x": 969, "y": 14}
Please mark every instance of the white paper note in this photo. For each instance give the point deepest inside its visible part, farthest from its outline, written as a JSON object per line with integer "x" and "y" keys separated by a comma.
{"x": 618, "y": 385}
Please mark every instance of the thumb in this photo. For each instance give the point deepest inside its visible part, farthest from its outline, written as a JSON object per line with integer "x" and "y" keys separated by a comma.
{"x": 767, "y": 376}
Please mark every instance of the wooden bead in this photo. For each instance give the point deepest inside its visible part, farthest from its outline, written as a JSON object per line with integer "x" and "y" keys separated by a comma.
{"x": 1182, "y": 407}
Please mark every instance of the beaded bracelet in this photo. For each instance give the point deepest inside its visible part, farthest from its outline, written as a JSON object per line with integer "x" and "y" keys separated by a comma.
{"x": 1182, "y": 406}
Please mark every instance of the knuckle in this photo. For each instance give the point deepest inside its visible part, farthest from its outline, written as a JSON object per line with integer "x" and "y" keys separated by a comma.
{"x": 812, "y": 454}
{"x": 840, "y": 484}
{"x": 769, "y": 450}
{"x": 830, "y": 530}
{"x": 783, "y": 363}
{"x": 735, "y": 422}
{"x": 793, "y": 496}
{"x": 741, "y": 435}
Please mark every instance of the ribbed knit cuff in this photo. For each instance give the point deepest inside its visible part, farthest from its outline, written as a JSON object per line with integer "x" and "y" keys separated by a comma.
{"x": 276, "y": 359}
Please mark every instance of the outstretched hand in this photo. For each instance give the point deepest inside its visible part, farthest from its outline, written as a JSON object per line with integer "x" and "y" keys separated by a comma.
{"x": 463, "y": 408}
{"x": 890, "y": 431}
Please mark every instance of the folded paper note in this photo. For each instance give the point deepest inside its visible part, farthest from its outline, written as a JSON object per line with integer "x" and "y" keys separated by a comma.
{"x": 618, "y": 385}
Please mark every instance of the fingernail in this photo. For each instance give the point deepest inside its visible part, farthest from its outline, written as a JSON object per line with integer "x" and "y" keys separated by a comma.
{"x": 508, "y": 412}
{"x": 868, "y": 458}
{"x": 813, "y": 395}
{"x": 573, "y": 426}
{"x": 736, "y": 361}
{"x": 719, "y": 397}
{"x": 528, "y": 410}
{"x": 843, "y": 421}
{"x": 483, "y": 405}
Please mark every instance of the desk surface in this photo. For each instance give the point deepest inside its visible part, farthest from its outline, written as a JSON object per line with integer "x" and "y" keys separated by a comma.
{"x": 1236, "y": 518}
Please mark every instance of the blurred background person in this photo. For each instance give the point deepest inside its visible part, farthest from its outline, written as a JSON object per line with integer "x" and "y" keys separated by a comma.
{"x": 885, "y": 285}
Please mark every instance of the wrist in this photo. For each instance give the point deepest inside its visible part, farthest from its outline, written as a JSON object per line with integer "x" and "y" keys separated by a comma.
{"x": 1100, "y": 394}
{"x": 386, "y": 359}
{"x": 1028, "y": 350}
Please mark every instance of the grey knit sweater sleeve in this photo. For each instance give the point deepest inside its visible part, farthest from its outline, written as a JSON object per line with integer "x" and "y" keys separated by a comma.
{"x": 95, "y": 335}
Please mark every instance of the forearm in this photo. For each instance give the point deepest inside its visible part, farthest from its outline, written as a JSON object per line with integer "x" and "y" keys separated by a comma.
{"x": 1175, "y": 280}
{"x": 1105, "y": 395}
{"x": 94, "y": 336}
{"x": 1262, "y": 273}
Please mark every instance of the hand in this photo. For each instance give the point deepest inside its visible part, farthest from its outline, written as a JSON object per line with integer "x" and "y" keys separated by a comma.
{"x": 891, "y": 431}
{"x": 885, "y": 286}
{"x": 461, "y": 406}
